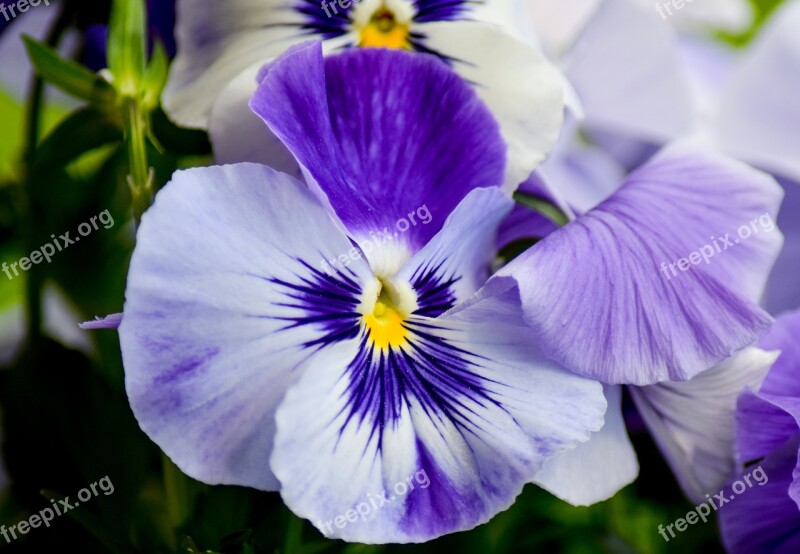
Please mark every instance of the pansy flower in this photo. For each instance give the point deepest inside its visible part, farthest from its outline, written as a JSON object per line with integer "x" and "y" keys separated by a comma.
{"x": 623, "y": 295}
{"x": 316, "y": 339}
{"x": 766, "y": 518}
{"x": 222, "y": 45}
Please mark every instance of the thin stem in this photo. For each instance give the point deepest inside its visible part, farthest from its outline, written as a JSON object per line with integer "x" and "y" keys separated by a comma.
{"x": 140, "y": 179}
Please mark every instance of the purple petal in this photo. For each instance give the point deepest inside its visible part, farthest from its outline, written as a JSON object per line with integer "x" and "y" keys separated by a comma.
{"x": 391, "y": 130}
{"x": 603, "y": 282}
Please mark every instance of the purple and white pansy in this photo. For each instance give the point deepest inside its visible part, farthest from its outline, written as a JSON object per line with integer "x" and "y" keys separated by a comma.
{"x": 222, "y": 46}
{"x": 297, "y": 338}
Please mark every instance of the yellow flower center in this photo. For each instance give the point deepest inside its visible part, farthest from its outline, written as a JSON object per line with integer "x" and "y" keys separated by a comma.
{"x": 385, "y": 316}
{"x": 384, "y": 31}
{"x": 385, "y": 326}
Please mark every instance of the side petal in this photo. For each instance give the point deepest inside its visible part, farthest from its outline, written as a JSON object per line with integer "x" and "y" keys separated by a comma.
{"x": 221, "y": 313}
{"x": 693, "y": 422}
{"x": 525, "y": 92}
{"x": 393, "y": 131}
{"x": 603, "y": 281}
{"x": 597, "y": 469}
{"x": 456, "y": 262}
{"x": 470, "y": 407}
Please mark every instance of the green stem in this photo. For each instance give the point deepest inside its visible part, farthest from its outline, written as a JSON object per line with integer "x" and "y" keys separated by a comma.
{"x": 542, "y": 207}
{"x": 140, "y": 179}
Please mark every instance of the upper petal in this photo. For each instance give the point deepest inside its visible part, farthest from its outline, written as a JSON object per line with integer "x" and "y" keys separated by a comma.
{"x": 223, "y": 309}
{"x": 382, "y": 132}
{"x": 603, "y": 281}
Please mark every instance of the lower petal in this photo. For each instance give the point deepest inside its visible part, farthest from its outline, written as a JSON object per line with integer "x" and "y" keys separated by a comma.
{"x": 469, "y": 414}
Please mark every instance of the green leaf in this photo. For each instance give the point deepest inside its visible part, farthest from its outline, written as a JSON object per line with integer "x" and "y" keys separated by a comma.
{"x": 542, "y": 207}
{"x": 67, "y": 75}
{"x": 155, "y": 77}
{"x": 81, "y": 132}
{"x": 126, "y": 45}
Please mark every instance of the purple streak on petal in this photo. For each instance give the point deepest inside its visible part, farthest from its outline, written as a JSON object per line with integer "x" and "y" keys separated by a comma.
{"x": 440, "y": 10}
{"x": 429, "y": 369}
{"x": 111, "y": 321}
{"x": 764, "y": 519}
{"x": 317, "y": 22}
{"x": 393, "y": 131}
{"x": 429, "y": 512}
{"x": 336, "y": 317}
{"x": 435, "y": 293}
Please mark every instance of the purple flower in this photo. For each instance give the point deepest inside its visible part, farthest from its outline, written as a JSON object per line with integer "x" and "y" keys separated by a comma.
{"x": 318, "y": 340}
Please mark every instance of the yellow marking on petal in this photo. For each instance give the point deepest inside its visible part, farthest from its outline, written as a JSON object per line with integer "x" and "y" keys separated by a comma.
{"x": 384, "y": 31}
{"x": 385, "y": 326}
